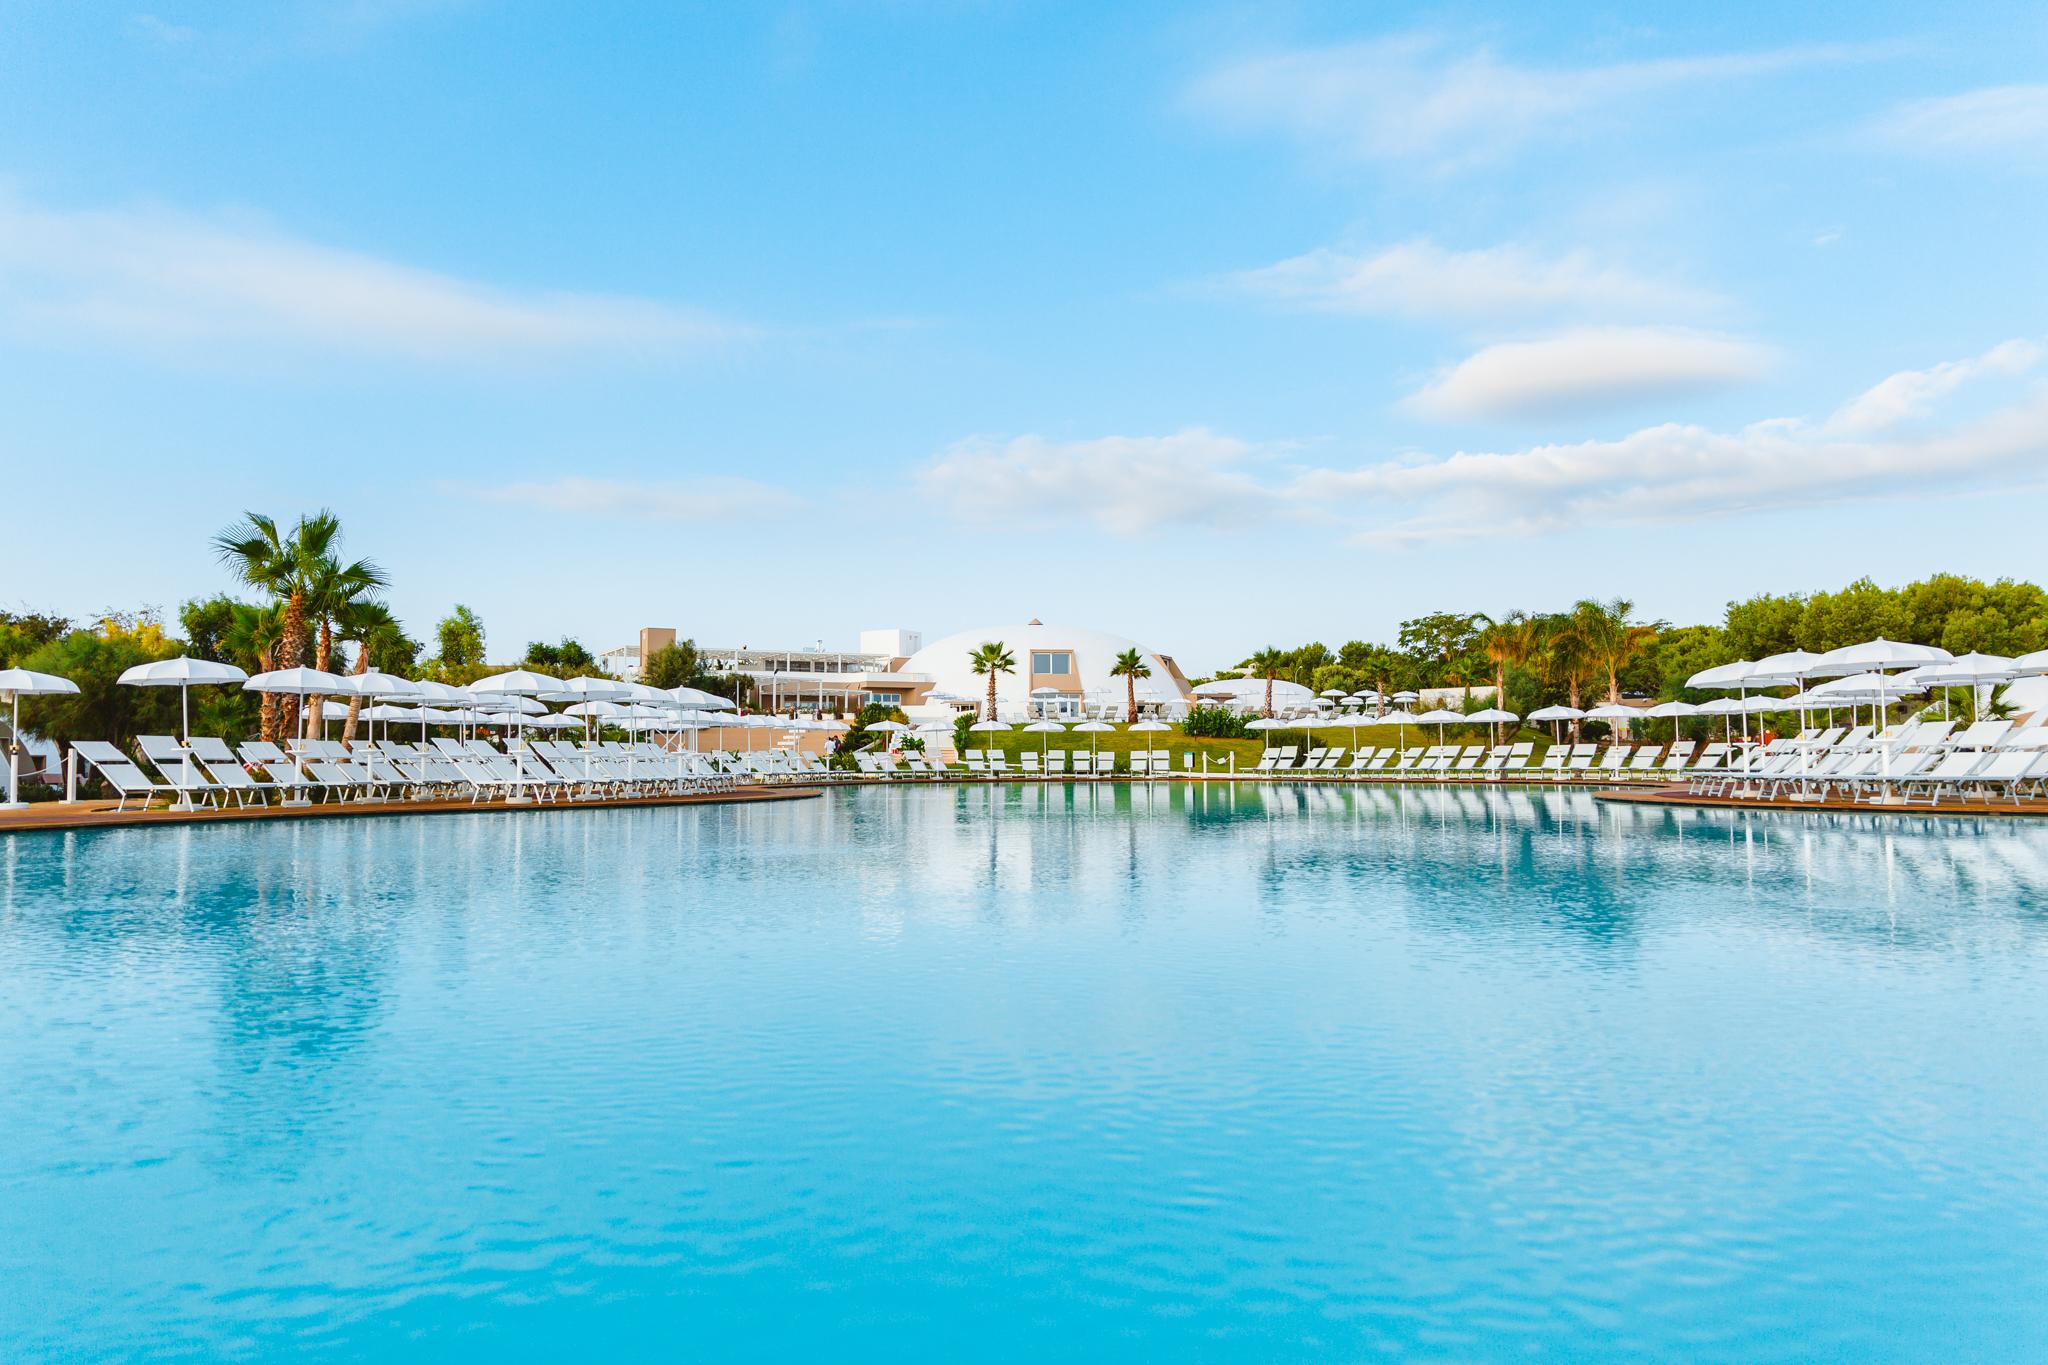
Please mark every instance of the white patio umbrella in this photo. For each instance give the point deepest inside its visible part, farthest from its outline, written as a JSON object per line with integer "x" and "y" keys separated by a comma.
{"x": 1441, "y": 718}
{"x": 1043, "y": 728}
{"x": 517, "y": 684}
{"x": 1673, "y": 711}
{"x": 182, "y": 673}
{"x": 887, "y": 728}
{"x": 1495, "y": 716}
{"x": 1730, "y": 677}
{"x": 699, "y": 700}
{"x": 1092, "y": 728}
{"x": 988, "y": 727}
{"x": 1614, "y": 713}
{"x": 1332, "y": 692}
{"x": 300, "y": 682}
{"x": 1879, "y": 656}
{"x": 1555, "y": 715}
{"x": 1400, "y": 720}
{"x": 16, "y": 683}
{"x": 1147, "y": 727}
{"x": 1973, "y": 670}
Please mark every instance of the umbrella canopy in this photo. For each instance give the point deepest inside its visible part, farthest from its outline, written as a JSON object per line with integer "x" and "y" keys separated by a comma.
{"x": 989, "y": 727}
{"x": 1558, "y": 713}
{"x": 1149, "y": 726}
{"x": 1494, "y": 715}
{"x": 390, "y": 713}
{"x": 1332, "y": 692}
{"x": 19, "y": 682}
{"x": 1738, "y": 706}
{"x": 585, "y": 689}
{"x": 701, "y": 700}
{"x": 1878, "y": 654}
{"x": 298, "y": 682}
{"x": 596, "y": 710}
{"x": 1863, "y": 685}
{"x": 551, "y": 722}
{"x": 1672, "y": 710}
{"x": 1723, "y": 677}
{"x": 440, "y": 692}
{"x": 1613, "y": 710}
{"x": 507, "y": 703}
{"x": 1442, "y": 717}
{"x": 888, "y": 727}
{"x": 1775, "y": 670}
{"x": 181, "y": 672}
{"x": 377, "y": 683}
{"x": 1039, "y": 727}
{"x": 517, "y": 682}
{"x": 641, "y": 692}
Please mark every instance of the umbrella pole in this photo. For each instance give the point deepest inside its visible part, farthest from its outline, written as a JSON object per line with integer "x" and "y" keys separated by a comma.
{"x": 13, "y": 761}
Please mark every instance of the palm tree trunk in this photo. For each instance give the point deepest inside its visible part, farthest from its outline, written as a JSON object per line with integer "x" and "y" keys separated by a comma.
{"x": 991, "y": 695}
{"x": 323, "y": 654}
{"x": 1268, "y": 711}
{"x": 291, "y": 653}
{"x": 271, "y": 709}
{"x": 1131, "y": 695}
{"x": 355, "y": 704}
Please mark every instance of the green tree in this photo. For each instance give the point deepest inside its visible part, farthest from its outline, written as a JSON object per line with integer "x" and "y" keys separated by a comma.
{"x": 1268, "y": 664}
{"x": 288, "y": 566}
{"x": 671, "y": 666}
{"x": 380, "y": 642}
{"x": 102, "y": 708}
{"x": 1130, "y": 666}
{"x": 23, "y": 633}
{"x": 1566, "y": 660}
{"x": 569, "y": 658}
{"x": 1613, "y": 637}
{"x": 992, "y": 659}
{"x": 1764, "y": 625}
{"x": 1447, "y": 642}
{"x": 1508, "y": 643}
{"x": 337, "y": 590}
{"x": 1862, "y": 611}
{"x": 460, "y": 637}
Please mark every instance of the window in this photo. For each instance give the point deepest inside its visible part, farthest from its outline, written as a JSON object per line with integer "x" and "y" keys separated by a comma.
{"x": 885, "y": 699}
{"x": 1056, "y": 663}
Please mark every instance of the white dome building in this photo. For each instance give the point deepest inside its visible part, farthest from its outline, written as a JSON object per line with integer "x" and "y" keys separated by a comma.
{"x": 1067, "y": 666}
{"x": 1249, "y": 694}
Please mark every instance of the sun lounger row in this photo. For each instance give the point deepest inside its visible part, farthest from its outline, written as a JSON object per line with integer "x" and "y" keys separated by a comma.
{"x": 208, "y": 772}
{"x": 1917, "y": 761}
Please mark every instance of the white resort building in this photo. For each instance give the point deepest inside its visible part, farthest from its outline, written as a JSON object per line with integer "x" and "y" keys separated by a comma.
{"x": 1061, "y": 672}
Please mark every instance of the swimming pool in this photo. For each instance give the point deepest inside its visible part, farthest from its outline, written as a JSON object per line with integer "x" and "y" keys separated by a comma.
{"x": 1016, "y": 1072}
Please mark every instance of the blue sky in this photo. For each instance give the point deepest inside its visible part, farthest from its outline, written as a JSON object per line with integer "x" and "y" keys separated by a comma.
{"x": 1213, "y": 325}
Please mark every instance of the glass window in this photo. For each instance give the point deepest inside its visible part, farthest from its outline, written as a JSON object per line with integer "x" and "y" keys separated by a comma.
{"x": 1058, "y": 663}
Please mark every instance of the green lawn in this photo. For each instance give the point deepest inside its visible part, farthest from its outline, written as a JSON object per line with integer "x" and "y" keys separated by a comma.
{"x": 1015, "y": 742}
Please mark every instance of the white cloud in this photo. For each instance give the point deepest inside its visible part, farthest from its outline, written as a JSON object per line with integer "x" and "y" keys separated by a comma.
{"x": 1586, "y": 369}
{"x": 1674, "y": 472}
{"x": 160, "y": 278}
{"x": 709, "y": 499}
{"x": 1423, "y": 280}
{"x": 1412, "y": 97}
{"x": 2001, "y": 118}
{"x": 1125, "y": 484}
{"x": 1914, "y": 393}
{"x": 1665, "y": 473}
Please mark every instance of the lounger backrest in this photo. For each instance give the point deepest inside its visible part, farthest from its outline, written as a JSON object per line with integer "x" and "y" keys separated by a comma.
{"x": 229, "y": 774}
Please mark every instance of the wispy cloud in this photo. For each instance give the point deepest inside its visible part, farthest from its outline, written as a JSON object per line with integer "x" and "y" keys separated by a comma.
{"x": 2003, "y": 118}
{"x": 700, "y": 500}
{"x": 1585, "y": 370}
{"x": 1912, "y": 394}
{"x": 1892, "y": 440}
{"x": 1420, "y": 98}
{"x": 1676, "y": 472}
{"x": 1124, "y": 484}
{"x": 1419, "y": 279}
{"x": 156, "y": 277}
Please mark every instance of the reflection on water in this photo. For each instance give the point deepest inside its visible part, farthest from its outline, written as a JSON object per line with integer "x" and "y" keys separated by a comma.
{"x": 1017, "y": 1071}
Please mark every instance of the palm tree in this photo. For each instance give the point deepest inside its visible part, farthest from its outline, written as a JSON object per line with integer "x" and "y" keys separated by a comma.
{"x": 1130, "y": 666}
{"x": 368, "y": 625}
{"x": 992, "y": 659}
{"x": 1267, "y": 664}
{"x": 1566, "y": 659}
{"x": 251, "y": 640}
{"x": 286, "y": 567}
{"x": 1614, "y": 640}
{"x": 336, "y": 590}
{"x": 1508, "y": 643}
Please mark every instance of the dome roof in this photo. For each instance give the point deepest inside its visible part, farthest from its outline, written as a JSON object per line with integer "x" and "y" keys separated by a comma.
{"x": 1094, "y": 652}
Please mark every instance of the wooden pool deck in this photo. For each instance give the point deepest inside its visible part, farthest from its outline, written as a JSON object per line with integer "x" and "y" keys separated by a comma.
{"x": 1678, "y": 796}
{"x": 51, "y": 816}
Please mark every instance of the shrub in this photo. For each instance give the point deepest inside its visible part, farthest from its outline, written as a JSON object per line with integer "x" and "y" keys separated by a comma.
{"x": 1215, "y": 722}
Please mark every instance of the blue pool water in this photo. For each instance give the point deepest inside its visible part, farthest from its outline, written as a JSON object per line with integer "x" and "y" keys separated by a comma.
{"x": 1030, "y": 1073}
